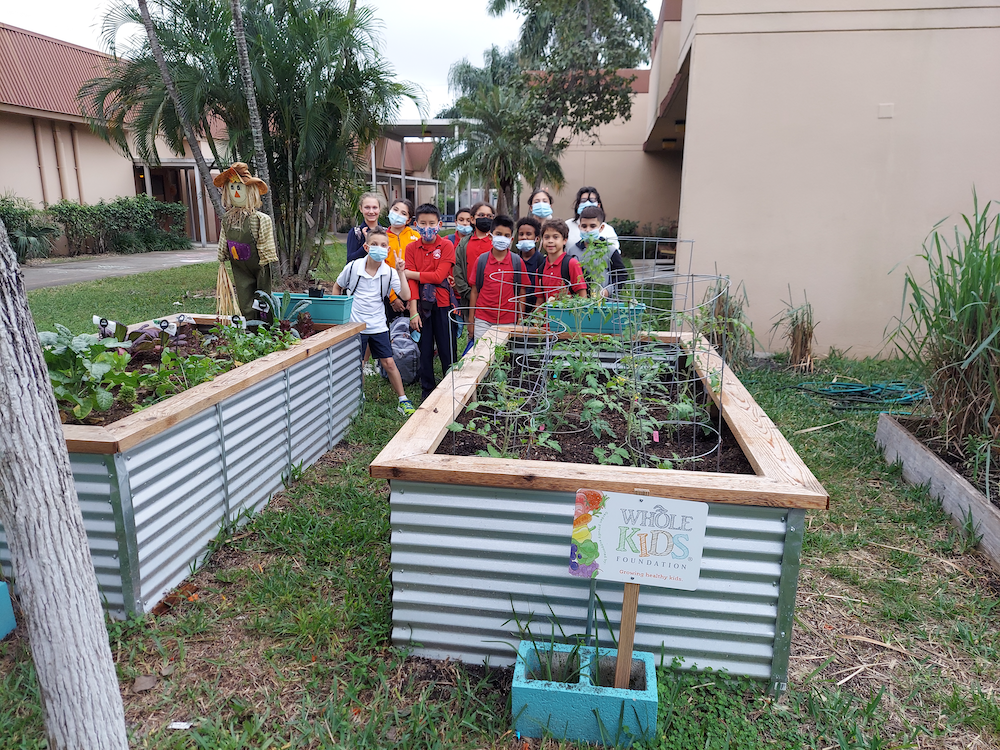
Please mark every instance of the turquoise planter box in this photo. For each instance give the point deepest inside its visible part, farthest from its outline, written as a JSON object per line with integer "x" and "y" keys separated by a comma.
{"x": 591, "y": 317}
{"x": 579, "y": 709}
{"x": 329, "y": 309}
{"x": 7, "y": 623}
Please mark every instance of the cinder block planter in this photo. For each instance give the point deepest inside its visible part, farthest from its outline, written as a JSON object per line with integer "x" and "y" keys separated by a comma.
{"x": 957, "y": 495}
{"x": 157, "y": 486}
{"x": 584, "y": 708}
{"x": 7, "y": 623}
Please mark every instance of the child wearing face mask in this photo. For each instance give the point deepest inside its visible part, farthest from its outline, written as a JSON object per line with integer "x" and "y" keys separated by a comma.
{"x": 463, "y": 226}
{"x": 586, "y": 197}
{"x": 429, "y": 263}
{"x": 370, "y": 207}
{"x": 400, "y": 235}
{"x": 529, "y": 234}
{"x": 498, "y": 282}
{"x": 468, "y": 251}
{"x": 540, "y": 204}
{"x": 592, "y": 244}
{"x": 370, "y": 280}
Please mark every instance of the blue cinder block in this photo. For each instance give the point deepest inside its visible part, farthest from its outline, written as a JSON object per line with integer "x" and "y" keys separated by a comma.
{"x": 570, "y": 710}
{"x": 7, "y": 623}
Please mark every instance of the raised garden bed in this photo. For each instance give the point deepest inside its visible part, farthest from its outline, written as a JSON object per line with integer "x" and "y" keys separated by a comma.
{"x": 477, "y": 540}
{"x": 157, "y": 486}
{"x": 958, "y": 497}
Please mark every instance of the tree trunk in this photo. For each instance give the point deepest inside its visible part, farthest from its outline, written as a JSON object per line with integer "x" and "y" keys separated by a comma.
{"x": 256, "y": 128}
{"x": 181, "y": 110}
{"x": 40, "y": 513}
{"x": 549, "y": 143}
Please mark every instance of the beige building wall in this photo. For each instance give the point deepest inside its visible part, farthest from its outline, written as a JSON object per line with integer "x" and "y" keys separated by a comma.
{"x": 18, "y": 158}
{"x": 634, "y": 184}
{"x": 820, "y": 157}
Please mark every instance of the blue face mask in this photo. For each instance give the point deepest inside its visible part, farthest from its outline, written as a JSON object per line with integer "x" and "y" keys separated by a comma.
{"x": 590, "y": 235}
{"x": 396, "y": 219}
{"x": 583, "y": 205}
{"x": 500, "y": 242}
{"x": 378, "y": 253}
{"x": 427, "y": 234}
{"x": 541, "y": 209}
{"x": 463, "y": 228}
{"x": 524, "y": 245}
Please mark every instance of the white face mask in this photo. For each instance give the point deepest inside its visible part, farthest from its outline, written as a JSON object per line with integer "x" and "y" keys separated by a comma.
{"x": 396, "y": 219}
{"x": 500, "y": 242}
{"x": 583, "y": 205}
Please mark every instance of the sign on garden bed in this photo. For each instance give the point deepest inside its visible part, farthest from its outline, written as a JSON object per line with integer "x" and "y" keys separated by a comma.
{"x": 638, "y": 539}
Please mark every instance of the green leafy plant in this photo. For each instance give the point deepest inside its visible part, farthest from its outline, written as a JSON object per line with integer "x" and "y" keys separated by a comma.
{"x": 30, "y": 230}
{"x": 951, "y": 329}
{"x": 177, "y": 373}
{"x": 245, "y": 345}
{"x": 79, "y": 368}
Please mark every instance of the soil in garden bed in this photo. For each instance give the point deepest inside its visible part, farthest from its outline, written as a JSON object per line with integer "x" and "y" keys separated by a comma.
{"x": 574, "y": 433}
{"x": 578, "y": 447}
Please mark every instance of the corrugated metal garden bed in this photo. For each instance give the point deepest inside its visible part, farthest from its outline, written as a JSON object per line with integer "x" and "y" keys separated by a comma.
{"x": 477, "y": 541}
{"x": 157, "y": 486}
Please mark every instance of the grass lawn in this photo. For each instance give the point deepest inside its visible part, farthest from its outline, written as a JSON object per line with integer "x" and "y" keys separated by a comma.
{"x": 143, "y": 296}
{"x": 287, "y": 643}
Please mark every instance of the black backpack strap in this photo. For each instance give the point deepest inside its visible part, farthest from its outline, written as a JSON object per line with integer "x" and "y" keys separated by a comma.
{"x": 518, "y": 265}
{"x": 354, "y": 268}
{"x": 480, "y": 271}
{"x": 564, "y": 268}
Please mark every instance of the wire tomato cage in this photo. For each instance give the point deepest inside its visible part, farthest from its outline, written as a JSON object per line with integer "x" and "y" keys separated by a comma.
{"x": 638, "y": 362}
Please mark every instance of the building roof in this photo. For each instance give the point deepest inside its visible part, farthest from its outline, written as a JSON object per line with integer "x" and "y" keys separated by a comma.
{"x": 418, "y": 155}
{"x": 39, "y": 72}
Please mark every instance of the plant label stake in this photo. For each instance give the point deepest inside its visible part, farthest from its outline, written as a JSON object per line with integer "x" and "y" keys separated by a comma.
{"x": 636, "y": 539}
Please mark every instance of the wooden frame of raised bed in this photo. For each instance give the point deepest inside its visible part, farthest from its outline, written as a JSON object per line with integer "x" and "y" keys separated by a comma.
{"x": 476, "y": 541}
{"x": 957, "y": 495}
{"x": 158, "y": 485}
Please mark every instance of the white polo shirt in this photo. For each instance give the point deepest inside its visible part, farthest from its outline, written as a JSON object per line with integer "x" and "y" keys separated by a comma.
{"x": 368, "y": 307}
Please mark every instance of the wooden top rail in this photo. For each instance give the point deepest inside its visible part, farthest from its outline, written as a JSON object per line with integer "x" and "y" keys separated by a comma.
{"x": 782, "y": 480}
{"x": 131, "y": 430}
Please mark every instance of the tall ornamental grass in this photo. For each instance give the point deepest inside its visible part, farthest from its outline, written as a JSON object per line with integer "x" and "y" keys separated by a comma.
{"x": 952, "y": 328}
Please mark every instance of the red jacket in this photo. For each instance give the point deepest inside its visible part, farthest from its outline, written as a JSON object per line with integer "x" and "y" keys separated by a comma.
{"x": 434, "y": 264}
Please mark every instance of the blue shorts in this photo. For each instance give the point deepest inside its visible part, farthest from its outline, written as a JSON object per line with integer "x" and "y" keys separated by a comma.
{"x": 379, "y": 343}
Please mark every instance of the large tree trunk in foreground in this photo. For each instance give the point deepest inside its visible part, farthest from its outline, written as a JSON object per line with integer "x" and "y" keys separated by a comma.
{"x": 41, "y": 517}
{"x": 181, "y": 110}
{"x": 250, "y": 93}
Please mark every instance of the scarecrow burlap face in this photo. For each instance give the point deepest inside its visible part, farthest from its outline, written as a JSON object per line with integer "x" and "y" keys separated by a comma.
{"x": 242, "y": 190}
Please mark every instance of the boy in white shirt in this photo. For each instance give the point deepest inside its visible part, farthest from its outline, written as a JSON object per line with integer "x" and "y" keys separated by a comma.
{"x": 369, "y": 281}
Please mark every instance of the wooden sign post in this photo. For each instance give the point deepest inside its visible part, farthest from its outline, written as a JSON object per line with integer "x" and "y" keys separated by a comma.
{"x": 636, "y": 538}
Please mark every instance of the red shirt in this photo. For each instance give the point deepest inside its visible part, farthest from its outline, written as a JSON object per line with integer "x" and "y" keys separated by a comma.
{"x": 497, "y": 303}
{"x": 473, "y": 249}
{"x": 434, "y": 263}
{"x": 552, "y": 282}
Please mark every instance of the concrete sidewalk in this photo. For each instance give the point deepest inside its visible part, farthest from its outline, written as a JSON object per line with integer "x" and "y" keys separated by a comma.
{"x": 60, "y": 272}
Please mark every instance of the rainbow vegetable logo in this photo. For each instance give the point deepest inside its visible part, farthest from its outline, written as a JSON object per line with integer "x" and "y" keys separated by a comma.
{"x": 583, "y": 552}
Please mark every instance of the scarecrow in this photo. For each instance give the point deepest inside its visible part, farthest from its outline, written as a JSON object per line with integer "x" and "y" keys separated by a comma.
{"x": 247, "y": 235}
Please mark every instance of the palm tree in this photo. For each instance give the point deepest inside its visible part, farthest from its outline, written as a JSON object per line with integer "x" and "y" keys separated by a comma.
{"x": 179, "y": 108}
{"x": 497, "y": 146}
{"x": 256, "y": 128}
{"x": 320, "y": 83}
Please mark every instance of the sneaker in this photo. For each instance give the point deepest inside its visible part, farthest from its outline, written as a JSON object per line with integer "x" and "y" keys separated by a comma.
{"x": 405, "y": 407}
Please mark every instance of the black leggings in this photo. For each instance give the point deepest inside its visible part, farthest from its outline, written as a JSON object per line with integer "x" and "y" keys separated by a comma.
{"x": 436, "y": 330}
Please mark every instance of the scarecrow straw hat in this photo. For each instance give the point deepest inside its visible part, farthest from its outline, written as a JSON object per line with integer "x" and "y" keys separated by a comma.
{"x": 241, "y": 172}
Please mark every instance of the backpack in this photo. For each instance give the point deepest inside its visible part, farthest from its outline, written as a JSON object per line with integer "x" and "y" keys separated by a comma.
{"x": 516, "y": 263}
{"x": 405, "y": 352}
{"x": 355, "y": 272}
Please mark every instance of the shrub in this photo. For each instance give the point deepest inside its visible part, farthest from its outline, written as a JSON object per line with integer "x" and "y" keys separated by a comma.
{"x": 125, "y": 225}
{"x": 953, "y": 328}
{"x": 30, "y": 233}
{"x": 665, "y": 228}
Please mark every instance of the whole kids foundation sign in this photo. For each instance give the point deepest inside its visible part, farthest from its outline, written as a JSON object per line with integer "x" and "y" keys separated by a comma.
{"x": 652, "y": 541}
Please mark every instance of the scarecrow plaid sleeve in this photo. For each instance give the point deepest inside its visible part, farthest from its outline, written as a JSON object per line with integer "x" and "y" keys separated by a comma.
{"x": 266, "y": 249}
{"x": 223, "y": 253}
